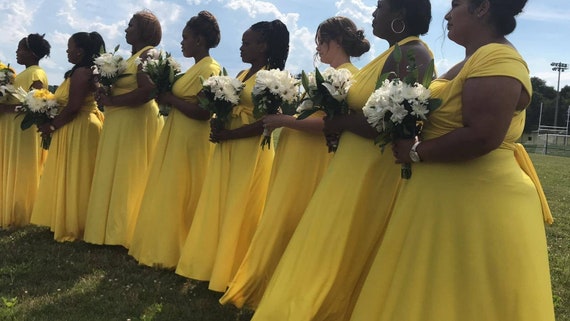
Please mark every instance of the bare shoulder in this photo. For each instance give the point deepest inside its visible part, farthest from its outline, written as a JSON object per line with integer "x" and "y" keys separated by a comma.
{"x": 418, "y": 48}
{"x": 82, "y": 73}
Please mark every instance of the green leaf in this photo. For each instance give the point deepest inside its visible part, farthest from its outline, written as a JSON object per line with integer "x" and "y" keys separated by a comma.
{"x": 27, "y": 122}
{"x": 383, "y": 77}
{"x": 429, "y": 73}
{"x": 306, "y": 113}
{"x": 397, "y": 53}
{"x": 305, "y": 81}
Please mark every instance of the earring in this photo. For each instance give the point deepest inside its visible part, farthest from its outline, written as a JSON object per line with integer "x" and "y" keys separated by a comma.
{"x": 394, "y": 29}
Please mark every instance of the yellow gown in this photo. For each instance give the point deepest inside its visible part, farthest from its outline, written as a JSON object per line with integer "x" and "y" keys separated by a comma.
{"x": 330, "y": 252}
{"x": 21, "y": 159}
{"x": 64, "y": 188}
{"x": 292, "y": 184}
{"x": 466, "y": 240}
{"x": 176, "y": 176}
{"x": 230, "y": 205}
{"x": 123, "y": 158}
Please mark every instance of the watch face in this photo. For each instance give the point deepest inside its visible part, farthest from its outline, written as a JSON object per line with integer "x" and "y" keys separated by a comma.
{"x": 414, "y": 156}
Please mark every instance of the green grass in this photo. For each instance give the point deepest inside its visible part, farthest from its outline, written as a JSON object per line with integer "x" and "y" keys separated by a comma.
{"x": 43, "y": 280}
{"x": 554, "y": 173}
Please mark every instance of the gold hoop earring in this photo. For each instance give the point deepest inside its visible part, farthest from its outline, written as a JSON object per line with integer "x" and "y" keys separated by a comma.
{"x": 394, "y": 29}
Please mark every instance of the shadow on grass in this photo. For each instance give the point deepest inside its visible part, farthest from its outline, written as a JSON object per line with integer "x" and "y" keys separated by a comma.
{"x": 41, "y": 279}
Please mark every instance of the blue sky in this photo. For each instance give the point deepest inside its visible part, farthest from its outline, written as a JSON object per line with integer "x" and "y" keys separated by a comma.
{"x": 542, "y": 35}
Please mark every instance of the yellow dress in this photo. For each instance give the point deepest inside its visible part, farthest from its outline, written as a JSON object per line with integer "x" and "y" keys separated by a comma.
{"x": 466, "y": 240}
{"x": 230, "y": 204}
{"x": 64, "y": 188}
{"x": 293, "y": 181}
{"x": 21, "y": 159}
{"x": 330, "y": 252}
{"x": 123, "y": 158}
{"x": 176, "y": 177}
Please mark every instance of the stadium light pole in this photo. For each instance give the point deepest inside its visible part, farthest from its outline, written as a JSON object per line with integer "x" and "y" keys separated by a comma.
{"x": 559, "y": 67}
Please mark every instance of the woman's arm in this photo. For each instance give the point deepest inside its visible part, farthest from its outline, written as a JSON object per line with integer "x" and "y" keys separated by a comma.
{"x": 355, "y": 123}
{"x": 191, "y": 110}
{"x": 80, "y": 86}
{"x": 486, "y": 120}
{"x": 313, "y": 125}
{"x": 250, "y": 130}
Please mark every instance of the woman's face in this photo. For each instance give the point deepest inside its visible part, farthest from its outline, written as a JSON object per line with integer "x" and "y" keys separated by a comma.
{"x": 252, "y": 48}
{"x": 460, "y": 21}
{"x": 382, "y": 18}
{"x": 74, "y": 53}
{"x": 23, "y": 53}
{"x": 132, "y": 32}
{"x": 326, "y": 55}
{"x": 188, "y": 43}
{"x": 322, "y": 48}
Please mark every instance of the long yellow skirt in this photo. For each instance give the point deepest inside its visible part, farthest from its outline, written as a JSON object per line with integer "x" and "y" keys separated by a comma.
{"x": 172, "y": 191}
{"x": 228, "y": 211}
{"x": 330, "y": 252}
{"x": 127, "y": 143}
{"x": 300, "y": 161}
{"x": 65, "y": 185}
{"x": 21, "y": 162}
{"x": 466, "y": 242}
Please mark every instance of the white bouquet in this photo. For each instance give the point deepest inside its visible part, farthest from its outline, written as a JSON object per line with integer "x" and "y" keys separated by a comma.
{"x": 7, "y": 76}
{"x": 273, "y": 88}
{"x": 108, "y": 68}
{"x": 398, "y": 107}
{"x": 39, "y": 106}
{"x": 326, "y": 91}
{"x": 163, "y": 70}
{"x": 219, "y": 95}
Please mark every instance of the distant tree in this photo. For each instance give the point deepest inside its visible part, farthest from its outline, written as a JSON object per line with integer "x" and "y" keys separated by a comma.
{"x": 541, "y": 94}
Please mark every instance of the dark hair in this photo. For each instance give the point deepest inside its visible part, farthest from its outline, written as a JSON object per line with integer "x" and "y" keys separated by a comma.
{"x": 417, "y": 14}
{"x": 92, "y": 44}
{"x": 38, "y": 45}
{"x": 205, "y": 25}
{"x": 149, "y": 27}
{"x": 503, "y": 13}
{"x": 345, "y": 32}
{"x": 276, "y": 36}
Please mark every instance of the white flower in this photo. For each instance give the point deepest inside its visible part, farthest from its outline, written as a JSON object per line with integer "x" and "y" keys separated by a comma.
{"x": 306, "y": 104}
{"x": 337, "y": 82}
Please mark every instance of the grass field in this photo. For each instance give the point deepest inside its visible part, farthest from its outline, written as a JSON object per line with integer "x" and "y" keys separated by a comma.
{"x": 43, "y": 280}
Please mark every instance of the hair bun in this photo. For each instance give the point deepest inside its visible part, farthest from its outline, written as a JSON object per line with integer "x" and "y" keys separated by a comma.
{"x": 510, "y": 7}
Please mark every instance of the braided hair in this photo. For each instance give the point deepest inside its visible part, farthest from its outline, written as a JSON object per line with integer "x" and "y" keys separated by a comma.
{"x": 276, "y": 36}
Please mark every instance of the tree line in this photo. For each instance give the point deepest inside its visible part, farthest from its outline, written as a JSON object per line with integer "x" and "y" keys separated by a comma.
{"x": 547, "y": 96}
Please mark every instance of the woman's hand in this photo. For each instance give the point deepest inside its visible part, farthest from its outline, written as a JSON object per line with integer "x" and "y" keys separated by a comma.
{"x": 334, "y": 126}
{"x": 165, "y": 98}
{"x": 272, "y": 122}
{"x": 401, "y": 150}
{"x": 103, "y": 98}
{"x": 220, "y": 135}
{"x": 46, "y": 129}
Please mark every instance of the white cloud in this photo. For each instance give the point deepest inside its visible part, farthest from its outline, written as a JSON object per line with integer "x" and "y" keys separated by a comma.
{"x": 17, "y": 17}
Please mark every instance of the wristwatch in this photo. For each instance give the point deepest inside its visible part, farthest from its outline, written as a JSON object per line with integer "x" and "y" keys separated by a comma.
{"x": 414, "y": 156}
